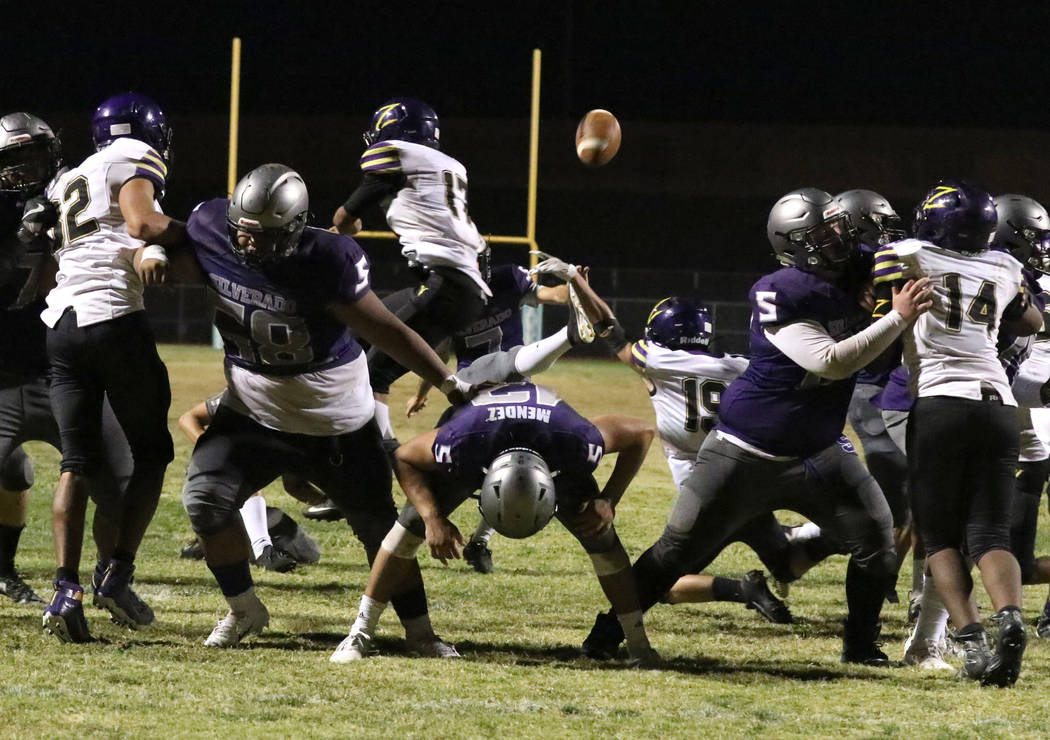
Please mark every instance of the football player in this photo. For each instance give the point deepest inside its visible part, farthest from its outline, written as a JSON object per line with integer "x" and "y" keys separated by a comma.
{"x": 298, "y": 398}
{"x": 100, "y": 345}
{"x": 30, "y": 156}
{"x": 778, "y": 443}
{"x": 962, "y": 430}
{"x": 424, "y": 194}
{"x": 498, "y": 328}
{"x": 527, "y": 450}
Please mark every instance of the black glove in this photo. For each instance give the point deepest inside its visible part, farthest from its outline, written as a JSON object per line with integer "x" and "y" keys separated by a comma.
{"x": 38, "y": 217}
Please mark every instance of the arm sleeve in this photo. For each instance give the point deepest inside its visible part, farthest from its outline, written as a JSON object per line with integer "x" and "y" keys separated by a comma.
{"x": 373, "y": 188}
{"x": 809, "y": 345}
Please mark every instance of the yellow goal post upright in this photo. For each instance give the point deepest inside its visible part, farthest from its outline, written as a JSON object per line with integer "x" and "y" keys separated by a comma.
{"x": 231, "y": 162}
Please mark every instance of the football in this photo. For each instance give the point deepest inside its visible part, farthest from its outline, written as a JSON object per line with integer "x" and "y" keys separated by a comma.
{"x": 597, "y": 138}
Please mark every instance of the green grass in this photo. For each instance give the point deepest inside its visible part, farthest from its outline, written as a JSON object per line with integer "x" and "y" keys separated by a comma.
{"x": 728, "y": 673}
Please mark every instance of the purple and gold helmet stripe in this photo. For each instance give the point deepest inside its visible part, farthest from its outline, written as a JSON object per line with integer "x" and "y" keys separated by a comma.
{"x": 887, "y": 267}
{"x": 639, "y": 353}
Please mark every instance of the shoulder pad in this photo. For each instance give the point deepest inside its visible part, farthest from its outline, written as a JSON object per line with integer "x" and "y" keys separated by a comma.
{"x": 382, "y": 158}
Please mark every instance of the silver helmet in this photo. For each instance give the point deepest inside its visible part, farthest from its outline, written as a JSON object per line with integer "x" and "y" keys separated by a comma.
{"x": 517, "y": 496}
{"x": 267, "y": 214}
{"x": 1023, "y": 229}
{"x": 30, "y": 154}
{"x": 876, "y": 222}
{"x": 809, "y": 229}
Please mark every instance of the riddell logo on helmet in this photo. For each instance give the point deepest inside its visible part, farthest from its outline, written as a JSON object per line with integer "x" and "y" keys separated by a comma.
{"x": 251, "y": 223}
{"x": 830, "y": 211}
{"x": 19, "y": 138}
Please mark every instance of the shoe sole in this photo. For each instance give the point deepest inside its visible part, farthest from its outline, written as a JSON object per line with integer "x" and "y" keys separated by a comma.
{"x": 253, "y": 630}
{"x": 768, "y": 613}
{"x": 1009, "y": 668}
{"x": 118, "y": 615}
{"x": 584, "y": 328}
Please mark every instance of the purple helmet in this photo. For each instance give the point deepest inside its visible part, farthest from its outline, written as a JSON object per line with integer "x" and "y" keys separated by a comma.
{"x": 680, "y": 323}
{"x": 956, "y": 215}
{"x": 404, "y": 119}
{"x": 131, "y": 115}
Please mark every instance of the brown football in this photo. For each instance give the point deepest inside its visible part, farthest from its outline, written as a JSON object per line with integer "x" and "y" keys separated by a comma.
{"x": 597, "y": 138}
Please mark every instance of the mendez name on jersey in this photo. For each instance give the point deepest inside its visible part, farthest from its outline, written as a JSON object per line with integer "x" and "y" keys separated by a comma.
{"x": 776, "y": 405}
{"x": 275, "y": 320}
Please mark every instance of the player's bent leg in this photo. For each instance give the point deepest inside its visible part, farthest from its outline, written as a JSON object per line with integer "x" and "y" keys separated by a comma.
{"x": 16, "y": 478}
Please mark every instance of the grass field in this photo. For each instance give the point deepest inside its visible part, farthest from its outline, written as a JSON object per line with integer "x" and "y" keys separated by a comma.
{"x": 728, "y": 673}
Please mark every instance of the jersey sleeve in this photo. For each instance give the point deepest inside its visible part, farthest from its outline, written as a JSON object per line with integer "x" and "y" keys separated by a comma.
{"x": 639, "y": 354}
{"x": 211, "y": 404}
{"x": 382, "y": 158}
{"x": 887, "y": 268}
{"x": 138, "y": 161}
{"x": 774, "y": 304}
{"x": 353, "y": 270}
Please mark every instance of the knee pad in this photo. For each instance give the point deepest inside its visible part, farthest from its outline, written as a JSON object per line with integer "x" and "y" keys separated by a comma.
{"x": 401, "y": 543}
{"x": 16, "y": 471}
{"x": 207, "y": 513}
{"x": 670, "y": 552}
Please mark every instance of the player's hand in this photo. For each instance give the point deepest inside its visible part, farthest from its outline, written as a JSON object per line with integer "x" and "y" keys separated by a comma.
{"x": 153, "y": 272}
{"x": 594, "y": 519}
{"x": 866, "y": 297}
{"x": 38, "y": 216}
{"x": 913, "y": 300}
{"x": 415, "y": 404}
{"x": 457, "y": 390}
{"x": 553, "y": 266}
{"x": 443, "y": 536}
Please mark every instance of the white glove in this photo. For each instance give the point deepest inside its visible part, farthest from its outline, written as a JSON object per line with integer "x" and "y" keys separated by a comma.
{"x": 553, "y": 266}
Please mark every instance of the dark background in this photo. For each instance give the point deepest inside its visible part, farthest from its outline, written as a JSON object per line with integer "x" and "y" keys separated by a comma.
{"x": 724, "y": 106}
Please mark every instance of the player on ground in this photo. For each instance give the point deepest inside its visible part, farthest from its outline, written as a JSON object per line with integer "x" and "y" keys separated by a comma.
{"x": 298, "y": 397}
{"x": 536, "y": 450}
{"x": 100, "y": 345}
{"x": 962, "y": 429}
{"x": 29, "y": 159}
{"x": 424, "y": 194}
{"x": 778, "y": 443}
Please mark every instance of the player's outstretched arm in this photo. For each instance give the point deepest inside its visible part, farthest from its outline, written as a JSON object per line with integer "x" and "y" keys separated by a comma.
{"x": 412, "y": 461}
{"x": 345, "y": 223}
{"x": 418, "y": 402}
{"x": 373, "y": 321}
{"x": 194, "y": 421}
{"x": 142, "y": 220}
{"x": 557, "y": 295}
{"x": 630, "y": 438}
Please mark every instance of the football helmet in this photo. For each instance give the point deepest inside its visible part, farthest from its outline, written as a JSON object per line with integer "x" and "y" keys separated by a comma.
{"x": 810, "y": 230}
{"x": 956, "y": 215}
{"x": 1023, "y": 230}
{"x": 680, "y": 323}
{"x": 133, "y": 115}
{"x": 872, "y": 215}
{"x": 267, "y": 214}
{"x": 517, "y": 495}
{"x": 30, "y": 155}
{"x": 404, "y": 119}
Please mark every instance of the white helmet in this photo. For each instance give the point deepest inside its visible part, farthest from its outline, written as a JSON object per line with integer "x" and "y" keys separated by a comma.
{"x": 517, "y": 496}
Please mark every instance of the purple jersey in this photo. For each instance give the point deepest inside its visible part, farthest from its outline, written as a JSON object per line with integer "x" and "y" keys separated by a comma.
{"x": 517, "y": 415}
{"x": 895, "y": 395}
{"x": 499, "y": 326}
{"x": 776, "y": 405}
{"x": 274, "y": 320}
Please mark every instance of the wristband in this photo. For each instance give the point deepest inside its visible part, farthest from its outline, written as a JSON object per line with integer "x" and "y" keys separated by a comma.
{"x": 612, "y": 334}
{"x": 154, "y": 252}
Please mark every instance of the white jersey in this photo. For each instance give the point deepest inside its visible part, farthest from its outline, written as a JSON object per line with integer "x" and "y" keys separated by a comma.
{"x": 429, "y": 214}
{"x": 686, "y": 389}
{"x": 951, "y": 350}
{"x": 1034, "y": 372}
{"x": 96, "y": 272}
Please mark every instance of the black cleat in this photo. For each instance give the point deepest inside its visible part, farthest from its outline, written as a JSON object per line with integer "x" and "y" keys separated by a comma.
{"x": 13, "y": 587}
{"x": 976, "y": 655}
{"x": 1005, "y": 664}
{"x": 192, "y": 551}
{"x": 276, "y": 559}
{"x": 325, "y": 511}
{"x": 762, "y": 600}
{"x": 1042, "y": 626}
{"x": 479, "y": 556}
{"x": 861, "y": 645}
{"x": 603, "y": 643}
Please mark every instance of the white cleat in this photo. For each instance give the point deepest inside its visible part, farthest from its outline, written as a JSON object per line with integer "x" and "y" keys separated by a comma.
{"x": 928, "y": 656}
{"x": 237, "y": 625}
{"x": 581, "y": 331}
{"x": 432, "y": 647}
{"x": 355, "y": 646}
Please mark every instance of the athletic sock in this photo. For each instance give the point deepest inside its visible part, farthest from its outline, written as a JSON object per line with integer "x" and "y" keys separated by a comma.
{"x": 864, "y": 596}
{"x": 9, "y": 537}
{"x": 69, "y": 575}
{"x": 253, "y": 513}
{"x": 239, "y": 604}
{"x": 125, "y": 555}
{"x": 233, "y": 579}
{"x": 418, "y": 628}
{"x": 368, "y": 613}
{"x": 634, "y": 630}
{"x": 383, "y": 420}
{"x": 918, "y": 570}
{"x": 933, "y": 617}
{"x": 728, "y": 589}
{"x": 541, "y": 355}
{"x": 483, "y": 533}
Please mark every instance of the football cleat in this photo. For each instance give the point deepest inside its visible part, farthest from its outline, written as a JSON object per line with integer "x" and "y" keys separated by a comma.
{"x": 926, "y": 654}
{"x": 325, "y": 511}
{"x": 861, "y": 645}
{"x": 646, "y": 657}
{"x": 113, "y": 593}
{"x": 976, "y": 654}
{"x": 355, "y": 646}
{"x": 580, "y": 329}
{"x": 275, "y": 559}
{"x": 64, "y": 616}
{"x": 603, "y": 642}
{"x": 288, "y": 536}
{"x": 1005, "y": 665}
{"x": 1042, "y": 626}
{"x": 192, "y": 551}
{"x": 13, "y": 587}
{"x": 762, "y": 600}
{"x": 431, "y": 647}
{"x": 478, "y": 555}
{"x": 235, "y": 626}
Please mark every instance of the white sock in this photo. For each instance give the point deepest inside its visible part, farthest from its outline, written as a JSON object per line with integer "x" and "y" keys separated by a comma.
{"x": 240, "y": 603}
{"x": 418, "y": 628}
{"x": 541, "y": 355}
{"x": 808, "y": 531}
{"x": 933, "y": 617}
{"x": 383, "y": 420}
{"x": 918, "y": 568}
{"x": 254, "y": 515}
{"x": 634, "y": 631}
{"x": 483, "y": 533}
{"x": 368, "y": 613}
